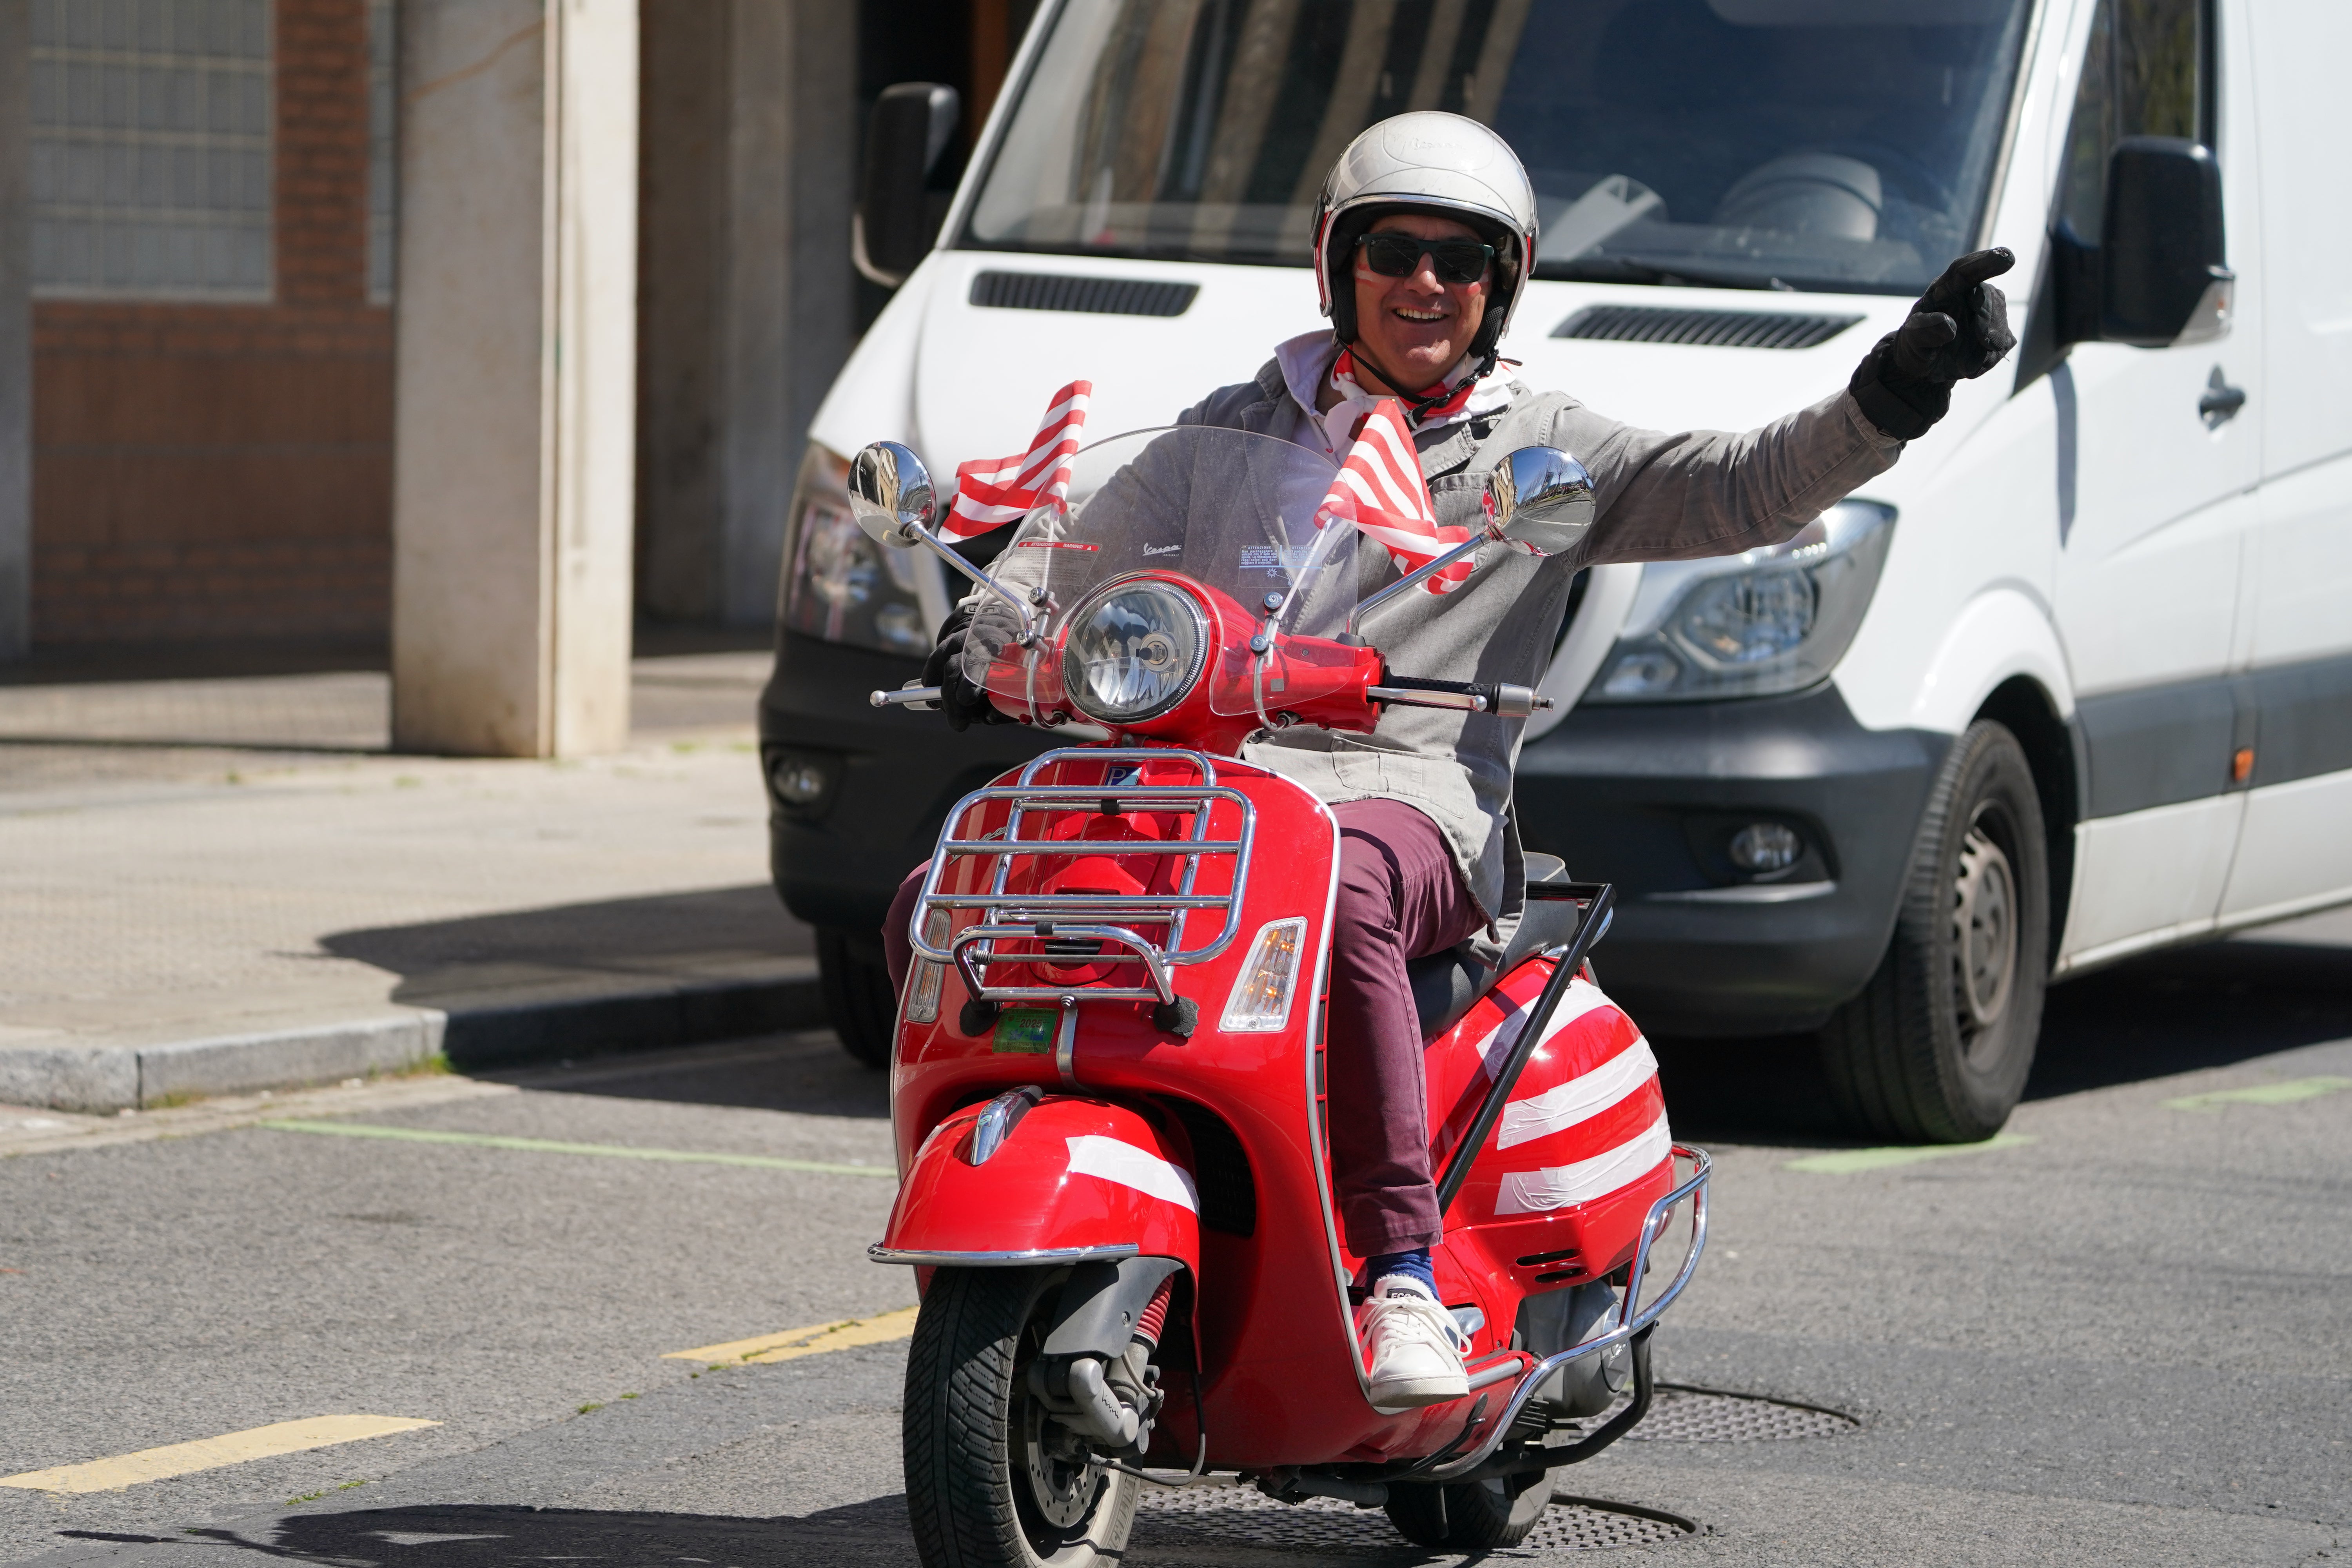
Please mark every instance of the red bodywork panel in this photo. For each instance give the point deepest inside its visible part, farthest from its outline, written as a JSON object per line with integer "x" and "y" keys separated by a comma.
{"x": 1074, "y": 1172}
{"x": 1240, "y": 1112}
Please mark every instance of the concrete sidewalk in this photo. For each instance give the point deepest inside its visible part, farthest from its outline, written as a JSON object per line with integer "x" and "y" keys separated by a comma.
{"x": 222, "y": 884}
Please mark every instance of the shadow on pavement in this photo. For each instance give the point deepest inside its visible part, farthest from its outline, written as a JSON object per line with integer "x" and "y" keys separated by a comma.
{"x": 2168, "y": 1013}
{"x": 459, "y": 1536}
{"x": 803, "y": 1072}
{"x": 673, "y": 935}
{"x": 2195, "y": 1007}
{"x": 581, "y": 979}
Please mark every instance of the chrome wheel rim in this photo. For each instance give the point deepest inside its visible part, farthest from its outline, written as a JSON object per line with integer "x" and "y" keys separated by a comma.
{"x": 1984, "y": 933}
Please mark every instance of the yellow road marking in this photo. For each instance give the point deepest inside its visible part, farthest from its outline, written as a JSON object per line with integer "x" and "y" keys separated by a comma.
{"x": 2285, "y": 1093}
{"x": 815, "y": 1340}
{"x": 211, "y": 1453}
{"x": 1849, "y": 1161}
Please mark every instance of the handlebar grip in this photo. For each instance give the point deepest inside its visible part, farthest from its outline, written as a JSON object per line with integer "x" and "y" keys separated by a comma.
{"x": 1418, "y": 696}
{"x": 1502, "y": 699}
{"x": 909, "y": 696}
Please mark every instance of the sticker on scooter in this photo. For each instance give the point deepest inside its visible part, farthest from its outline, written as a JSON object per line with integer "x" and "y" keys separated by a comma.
{"x": 1026, "y": 1031}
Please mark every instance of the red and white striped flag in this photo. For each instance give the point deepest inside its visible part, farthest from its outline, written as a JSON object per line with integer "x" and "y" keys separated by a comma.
{"x": 992, "y": 491}
{"x": 1380, "y": 489}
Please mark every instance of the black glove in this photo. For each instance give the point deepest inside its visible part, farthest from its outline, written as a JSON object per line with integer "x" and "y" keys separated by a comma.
{"x": 1957, "y": 330}
{"x": 964, "y": 702}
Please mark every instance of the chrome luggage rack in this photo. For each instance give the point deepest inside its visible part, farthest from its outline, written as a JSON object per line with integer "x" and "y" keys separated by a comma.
{"x": 1105, "y": 919}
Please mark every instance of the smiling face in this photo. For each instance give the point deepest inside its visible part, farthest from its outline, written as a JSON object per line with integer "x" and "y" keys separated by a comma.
{"x": 1418, "y": 327}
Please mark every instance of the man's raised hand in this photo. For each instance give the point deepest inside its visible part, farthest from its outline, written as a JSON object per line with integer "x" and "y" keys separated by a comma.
{"x": 1957, "y": 330}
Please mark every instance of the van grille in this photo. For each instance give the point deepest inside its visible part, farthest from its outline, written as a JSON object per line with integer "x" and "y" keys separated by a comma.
{"x": 1092, "y": 296}
{"x": 1711, "y": 328}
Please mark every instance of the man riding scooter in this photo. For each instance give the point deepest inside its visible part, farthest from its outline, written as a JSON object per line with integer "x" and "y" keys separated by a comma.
{"x": 1423, "y": 235}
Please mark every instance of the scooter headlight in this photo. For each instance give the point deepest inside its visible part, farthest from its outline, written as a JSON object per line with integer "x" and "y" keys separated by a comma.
{"x": 1134, "y": 650}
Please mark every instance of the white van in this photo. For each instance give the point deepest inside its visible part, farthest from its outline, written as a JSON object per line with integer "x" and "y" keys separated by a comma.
{"x": 2071, "y": 682}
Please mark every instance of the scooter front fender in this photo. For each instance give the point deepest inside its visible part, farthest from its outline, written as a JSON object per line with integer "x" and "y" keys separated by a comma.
{"x": 1073, "y": 1180}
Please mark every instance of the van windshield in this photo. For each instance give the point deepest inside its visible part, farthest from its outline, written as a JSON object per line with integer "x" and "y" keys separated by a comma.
{"x": 1818, "y": 144}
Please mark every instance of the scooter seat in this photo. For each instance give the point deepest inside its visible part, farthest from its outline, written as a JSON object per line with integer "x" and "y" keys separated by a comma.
{"x": 1446, "y": 986}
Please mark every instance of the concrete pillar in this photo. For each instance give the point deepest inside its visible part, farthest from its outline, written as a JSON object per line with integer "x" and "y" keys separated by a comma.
{"x": 16, "y": 330}
{"x": 750, "y": 147}
{"x": 513, "y": 470}
{"x": 791, "y": 286}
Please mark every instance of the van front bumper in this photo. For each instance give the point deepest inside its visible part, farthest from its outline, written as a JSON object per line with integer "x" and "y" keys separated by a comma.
{"x": 1652, "y": 798}
{"x": 889, "y": 776}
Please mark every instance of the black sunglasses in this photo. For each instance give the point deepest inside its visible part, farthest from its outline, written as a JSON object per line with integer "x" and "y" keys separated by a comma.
{"x": 1398, "y": 255}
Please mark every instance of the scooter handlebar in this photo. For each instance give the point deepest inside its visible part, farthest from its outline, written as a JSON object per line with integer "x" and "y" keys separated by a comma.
{"x": 1502, "y": 699}
{"x": 908, "y": 695}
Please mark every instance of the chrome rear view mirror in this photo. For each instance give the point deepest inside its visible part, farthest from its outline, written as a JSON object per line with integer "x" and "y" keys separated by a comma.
{"x": 1539, "y": 497}
{"x": 890, "y": 495}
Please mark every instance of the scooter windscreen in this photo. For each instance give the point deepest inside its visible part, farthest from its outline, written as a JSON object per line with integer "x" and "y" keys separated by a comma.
{"x": 1240, "y": 515}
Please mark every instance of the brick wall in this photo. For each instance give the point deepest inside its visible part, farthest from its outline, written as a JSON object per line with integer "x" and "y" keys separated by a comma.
{"x": 225, "y": 471}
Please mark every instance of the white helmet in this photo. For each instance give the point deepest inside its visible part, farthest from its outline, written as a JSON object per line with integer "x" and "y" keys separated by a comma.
{"x": 1427, "y": 161}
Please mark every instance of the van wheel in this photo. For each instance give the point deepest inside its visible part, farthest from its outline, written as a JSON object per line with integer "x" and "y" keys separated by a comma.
{"x": 858, "y": 1001}
{"x": 1473, "y": 1516}
{"x": 1936, "y": 1047}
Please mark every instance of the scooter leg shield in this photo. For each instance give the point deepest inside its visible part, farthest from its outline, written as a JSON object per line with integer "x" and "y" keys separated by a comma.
{"x": 1074, "y": 1178}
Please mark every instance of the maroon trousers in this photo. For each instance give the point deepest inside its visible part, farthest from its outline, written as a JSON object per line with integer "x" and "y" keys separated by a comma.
{"x": 1400, "y": 897}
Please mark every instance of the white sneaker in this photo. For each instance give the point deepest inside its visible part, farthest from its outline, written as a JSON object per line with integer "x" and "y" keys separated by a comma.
{"x": 1416, "y": 1346}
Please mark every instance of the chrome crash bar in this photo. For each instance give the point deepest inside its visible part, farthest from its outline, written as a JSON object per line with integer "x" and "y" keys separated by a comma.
{"x": 1629, "y": 1322}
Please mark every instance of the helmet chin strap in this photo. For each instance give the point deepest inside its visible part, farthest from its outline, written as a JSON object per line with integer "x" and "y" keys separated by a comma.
{"x": 1419, "y": 405}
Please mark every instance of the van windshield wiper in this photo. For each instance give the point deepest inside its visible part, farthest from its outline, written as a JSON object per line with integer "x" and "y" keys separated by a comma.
{"x": 1626, "y": 270}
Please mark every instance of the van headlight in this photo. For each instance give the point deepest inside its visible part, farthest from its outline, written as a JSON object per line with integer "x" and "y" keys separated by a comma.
{"x": 1771, "y": 620}
{"x": 1134, "y": 650}
{"x": 839, "y": 585}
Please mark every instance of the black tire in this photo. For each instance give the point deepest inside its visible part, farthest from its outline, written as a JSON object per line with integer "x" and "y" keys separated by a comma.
{"x": 1938, "y": 1046}
{"x": 981, "y": 1492}
{"x": 858, "y": 1000}
{"x": 1471, "y": 1516}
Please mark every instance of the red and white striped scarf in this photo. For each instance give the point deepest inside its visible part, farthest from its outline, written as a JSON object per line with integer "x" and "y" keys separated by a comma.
{"x": 1379, "y": 489}
{"x": 992, "y": 492}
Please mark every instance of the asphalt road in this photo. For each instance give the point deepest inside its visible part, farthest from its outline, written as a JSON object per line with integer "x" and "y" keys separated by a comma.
{"x": 2120, "y": 1335}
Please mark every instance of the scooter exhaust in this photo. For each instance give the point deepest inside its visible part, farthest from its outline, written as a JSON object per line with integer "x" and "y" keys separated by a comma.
{"x": 1291, "y": 1486}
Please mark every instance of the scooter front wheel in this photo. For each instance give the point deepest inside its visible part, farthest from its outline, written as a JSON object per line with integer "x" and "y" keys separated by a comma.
{"x": 991, "y": 1483}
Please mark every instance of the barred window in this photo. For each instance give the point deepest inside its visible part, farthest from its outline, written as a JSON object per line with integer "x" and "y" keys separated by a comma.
{"x": 151, "y": 149}
{"x": 381, "y": 174}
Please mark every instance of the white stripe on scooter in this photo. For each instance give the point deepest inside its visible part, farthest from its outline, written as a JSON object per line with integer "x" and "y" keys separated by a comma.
{"x": 1582, "y": 997}
{"x": 1113, "y": 1161}
{"x": 1580, "y": 1098}
{"x": 1533, "y": 1192}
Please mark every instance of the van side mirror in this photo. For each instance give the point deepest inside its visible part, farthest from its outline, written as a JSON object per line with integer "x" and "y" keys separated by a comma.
{"x": 2158, "y": 276}
{"x": 899, "y": 214}
{"x": 2162, "y": 278}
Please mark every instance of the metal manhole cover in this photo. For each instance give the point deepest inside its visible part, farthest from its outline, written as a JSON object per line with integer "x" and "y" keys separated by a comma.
{"x": 1679, "y": 1414}
{"x": 1240, "y": 1517}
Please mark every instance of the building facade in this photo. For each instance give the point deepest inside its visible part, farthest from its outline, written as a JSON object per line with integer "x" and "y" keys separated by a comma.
{"x": 198, "y": 234}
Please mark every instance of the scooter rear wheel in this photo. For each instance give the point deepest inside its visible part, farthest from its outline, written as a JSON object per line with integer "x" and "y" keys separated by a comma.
{"x": 987, "y": 1484}
{"x": 1472, "y": 1516}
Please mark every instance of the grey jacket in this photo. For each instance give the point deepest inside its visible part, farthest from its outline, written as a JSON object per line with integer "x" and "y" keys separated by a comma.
{"x": 1660, "y": 497}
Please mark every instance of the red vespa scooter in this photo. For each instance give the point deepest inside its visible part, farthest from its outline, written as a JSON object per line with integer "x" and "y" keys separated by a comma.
{"x": 1106, "y": 1086}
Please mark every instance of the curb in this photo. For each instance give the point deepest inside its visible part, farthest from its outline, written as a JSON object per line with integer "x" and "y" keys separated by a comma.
{"x": 101, "y": 1078}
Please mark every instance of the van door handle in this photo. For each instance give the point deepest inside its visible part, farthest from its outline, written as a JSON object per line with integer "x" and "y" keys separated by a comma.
{"x": 2221, "y": 401}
